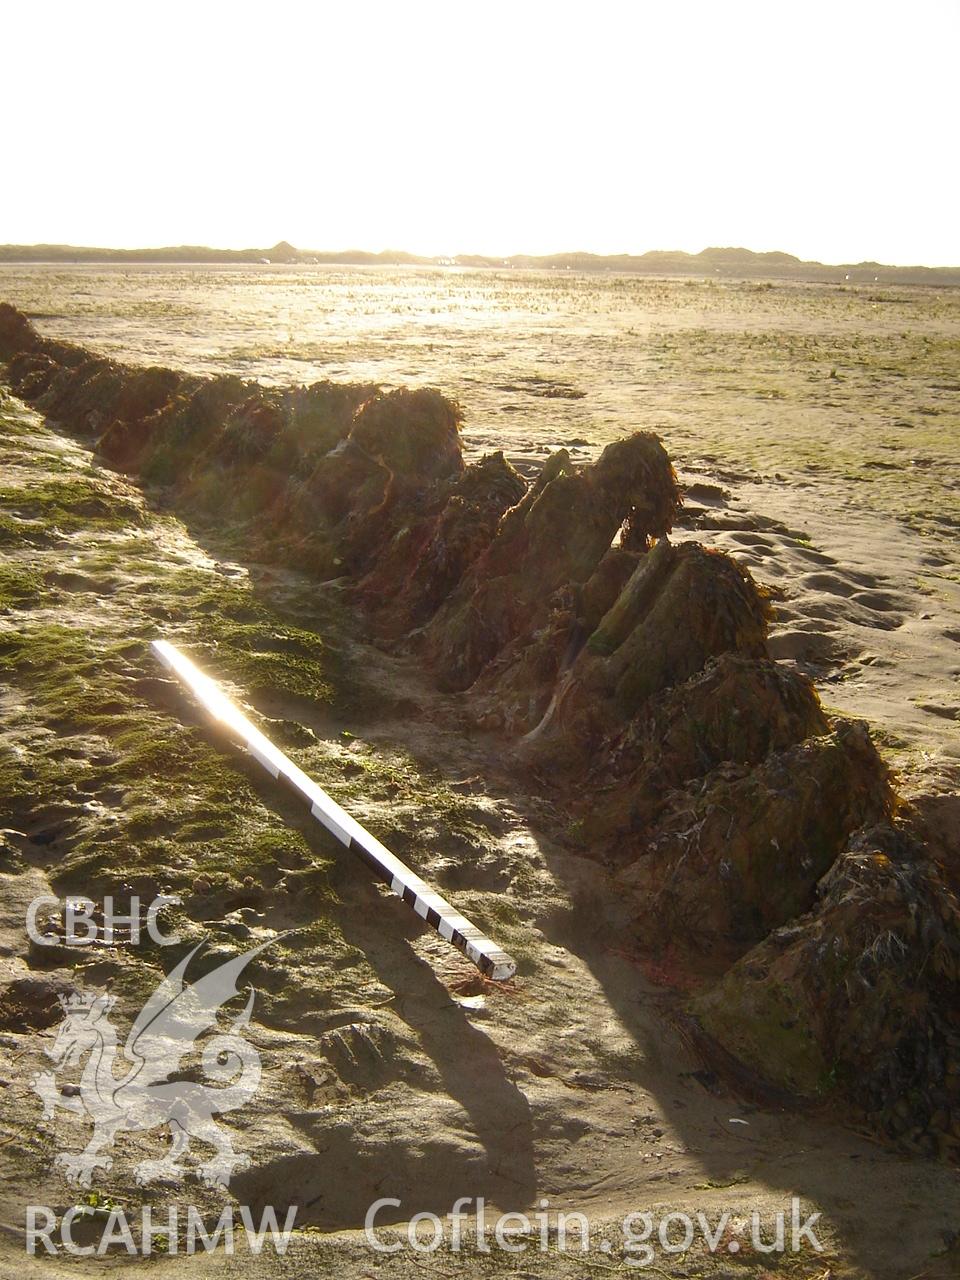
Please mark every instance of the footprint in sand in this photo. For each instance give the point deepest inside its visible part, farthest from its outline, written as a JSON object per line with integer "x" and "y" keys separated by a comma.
{"x": 816, "y": 647}
{"x": 880, "y": 601}
{"x": 858, "y": 614}
{"x": 829, "y": 582}
{"x": 749, "y": 558}
{"x": 787, "y": 614}
{"x": 808, "y": 553}
{"x": 751, "y": 540}
{"x": 827, "y": 611}
{"x": 841, "y": 595}
{"x": 938, "y": 709}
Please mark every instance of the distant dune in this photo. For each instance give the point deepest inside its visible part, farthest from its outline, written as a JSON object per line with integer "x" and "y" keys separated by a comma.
{"x": 714, "y": 261}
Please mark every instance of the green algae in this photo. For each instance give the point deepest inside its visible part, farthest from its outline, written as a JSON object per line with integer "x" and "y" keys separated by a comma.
{"x": 764, "y": 1026}
{"x": 19, "y": 586}
{"x": 249, "y": 643}
{"x": 66, "y": 505}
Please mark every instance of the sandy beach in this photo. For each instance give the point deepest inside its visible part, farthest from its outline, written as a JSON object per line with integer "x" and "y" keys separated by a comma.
{"x": 823, "y": 420}
{"x": 814, "y": 432}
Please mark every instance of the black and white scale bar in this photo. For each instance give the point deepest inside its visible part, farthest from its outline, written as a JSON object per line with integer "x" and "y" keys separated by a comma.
{"x": 448, "y": 922}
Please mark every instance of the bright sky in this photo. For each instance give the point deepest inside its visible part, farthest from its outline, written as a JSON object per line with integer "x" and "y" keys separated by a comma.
{"x": 829, "y": 130}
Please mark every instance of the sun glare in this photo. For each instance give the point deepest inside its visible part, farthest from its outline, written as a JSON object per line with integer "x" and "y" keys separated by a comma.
{"x": 818, "y": 129}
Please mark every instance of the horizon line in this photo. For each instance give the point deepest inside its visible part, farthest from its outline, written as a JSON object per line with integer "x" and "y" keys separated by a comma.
{"x": 771, "y": 257}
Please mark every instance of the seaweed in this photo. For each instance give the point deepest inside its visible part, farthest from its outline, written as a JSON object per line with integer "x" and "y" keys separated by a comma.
{"x": 630, "y": 675}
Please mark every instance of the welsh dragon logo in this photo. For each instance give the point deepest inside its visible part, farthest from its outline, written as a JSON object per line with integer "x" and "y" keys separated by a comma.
{"x": 147, "y": 1093}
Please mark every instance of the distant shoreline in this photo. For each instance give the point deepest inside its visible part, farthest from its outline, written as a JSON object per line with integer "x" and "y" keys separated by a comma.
{"x": 737, "y": 263}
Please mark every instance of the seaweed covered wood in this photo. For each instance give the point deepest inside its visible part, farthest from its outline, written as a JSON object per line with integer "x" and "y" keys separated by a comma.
{"x": 553, "y": 539}
{"x": 630, "y": 676}
{"x": 862, "y": 994}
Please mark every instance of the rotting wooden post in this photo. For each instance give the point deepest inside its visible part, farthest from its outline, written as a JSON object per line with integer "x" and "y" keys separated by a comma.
{"x": 437, "y": 912}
